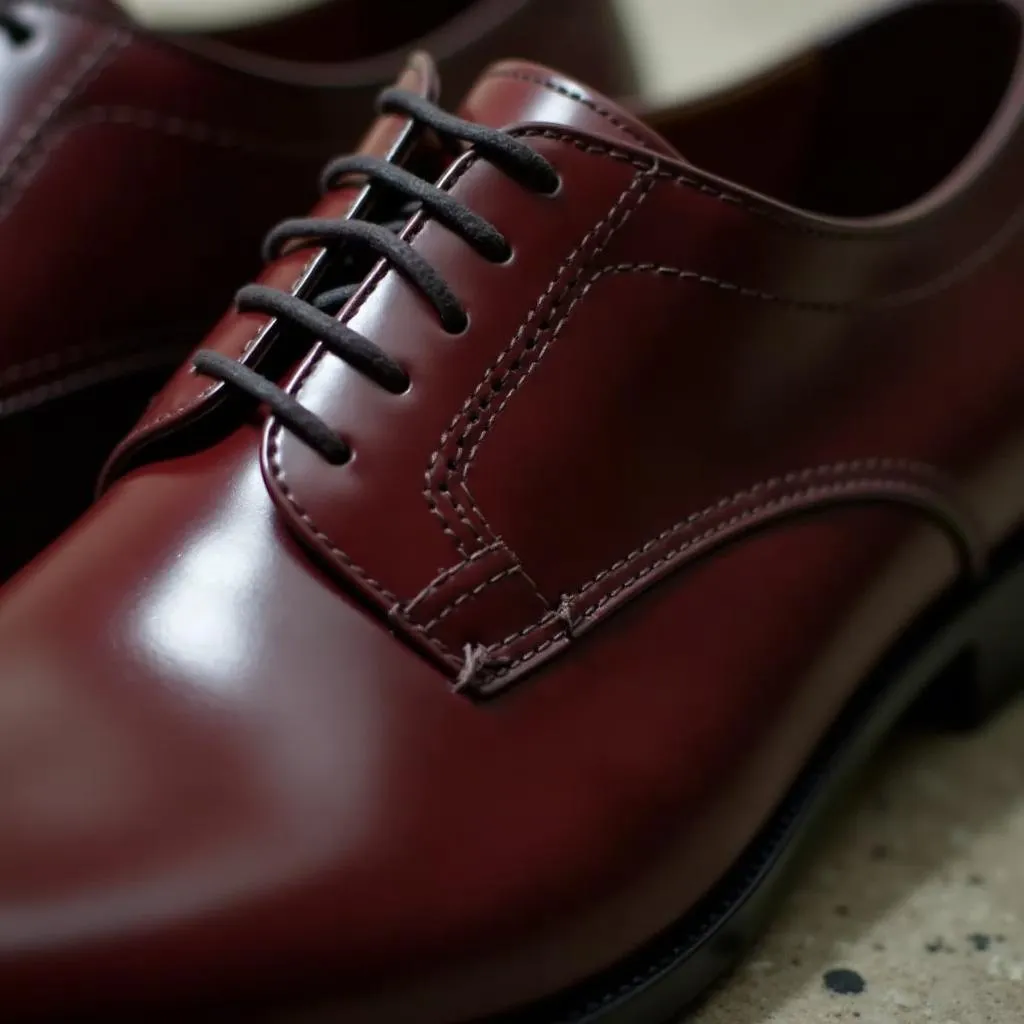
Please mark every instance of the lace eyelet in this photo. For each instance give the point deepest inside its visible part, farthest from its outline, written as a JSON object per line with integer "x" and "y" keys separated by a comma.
{"x": 456, "y": 330}
{"x": 316, "y": 315}
{"x": 407, "y": 387}
{"x": 505, "y": 258}
{"x": 342, "y": 458}
{"x": 555, "y": 191}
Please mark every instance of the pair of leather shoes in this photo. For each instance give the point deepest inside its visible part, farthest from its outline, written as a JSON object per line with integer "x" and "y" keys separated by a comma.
{"x": 478, "y": 622}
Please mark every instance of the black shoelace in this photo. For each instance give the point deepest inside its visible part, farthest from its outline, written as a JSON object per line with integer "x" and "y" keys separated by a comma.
{"x": 316, "y": 315}
{"x": 12, "y": 26}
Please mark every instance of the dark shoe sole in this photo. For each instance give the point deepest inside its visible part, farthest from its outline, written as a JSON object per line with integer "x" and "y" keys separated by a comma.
{"x": 958, "y": 666}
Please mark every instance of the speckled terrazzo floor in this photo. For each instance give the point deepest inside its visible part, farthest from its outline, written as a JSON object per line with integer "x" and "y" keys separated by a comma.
{"x": 913, "y": 907}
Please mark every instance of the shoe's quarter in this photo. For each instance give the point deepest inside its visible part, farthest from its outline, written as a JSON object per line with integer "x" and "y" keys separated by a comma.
{"x": 666, "y": 363}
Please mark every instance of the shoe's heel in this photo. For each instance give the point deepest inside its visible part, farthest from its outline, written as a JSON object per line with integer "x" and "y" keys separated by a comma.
{"x": 983, "y": 664}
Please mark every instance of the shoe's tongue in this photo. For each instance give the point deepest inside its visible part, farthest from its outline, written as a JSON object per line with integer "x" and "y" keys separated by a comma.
{"x": 516, "y": 91}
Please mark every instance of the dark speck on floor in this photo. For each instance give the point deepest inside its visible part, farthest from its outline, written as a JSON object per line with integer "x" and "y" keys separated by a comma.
{"x": 979, "y": 941}
{"x": 844, "y": 982}
{"x": 843, "y": 910}
{"x": 938, "y": 946}
{"x": 796, "y": 961}
{"x": 878, "y": 947}
{"x": 975, "y": 879}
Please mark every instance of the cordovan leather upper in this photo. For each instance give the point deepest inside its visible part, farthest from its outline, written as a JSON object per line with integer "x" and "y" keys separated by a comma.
{"x": 698, "y": 458}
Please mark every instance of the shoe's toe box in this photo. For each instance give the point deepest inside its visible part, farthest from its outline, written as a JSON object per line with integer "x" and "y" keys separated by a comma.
{"x": 222, "y": 782}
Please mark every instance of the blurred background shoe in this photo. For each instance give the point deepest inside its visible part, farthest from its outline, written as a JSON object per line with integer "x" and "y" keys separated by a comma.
{"x": 138, "y": 172}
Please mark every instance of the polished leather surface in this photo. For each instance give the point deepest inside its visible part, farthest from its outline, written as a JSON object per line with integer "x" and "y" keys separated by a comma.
{"x": 699, "y": 458}
{"x": 138, "y": 175}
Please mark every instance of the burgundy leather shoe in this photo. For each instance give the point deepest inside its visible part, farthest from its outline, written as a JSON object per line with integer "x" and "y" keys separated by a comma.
{"x": 137, "y": 175}
{"x": 485, "y": 651}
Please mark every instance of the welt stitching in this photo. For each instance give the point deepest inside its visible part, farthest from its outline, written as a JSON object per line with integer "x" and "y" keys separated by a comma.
{"x": 797, "y": 478}
{"x": 573, "y": 94}
{"x": 776, "y": 504}
{"x": 609, "y": 224}
{"x": 470, "y": 595}
{"x": 82, "y": 72}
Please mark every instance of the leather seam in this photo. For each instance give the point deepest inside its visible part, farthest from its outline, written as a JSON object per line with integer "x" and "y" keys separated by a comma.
{"x": 464, "y": 462}
{"x": 394, "y": 609}
{"x": 652, "y": 171}
{"x": 553, "y": 86}
{"x": 470, "y": 595}
{"x": 33, "y": 158}
{"x": 854, "y": 466}
{"x": 32, "y": 369}
{"x": 492, "y": 383}
{"x": 435, "y": 584}
{"x": 31, "y": 135}
{"x": 650, "y": 162}
{"x": 559, "y": 325}
{"x": 940, "y": 282}
{"x": 86, "y": 376}
{"x": 741, "y": 291}
{"x": 459, "y": 600}
{"x": 778, "y": 504}
{"x": 275, "y": 429}
{"x": 379, "y": 588}
{"x": 650, "y": 166}
{"x": 370, "y": 286}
